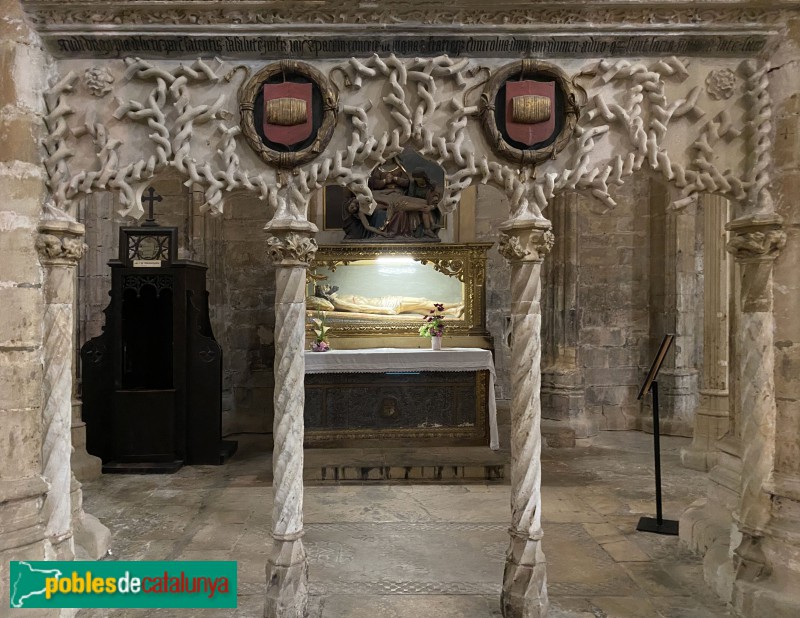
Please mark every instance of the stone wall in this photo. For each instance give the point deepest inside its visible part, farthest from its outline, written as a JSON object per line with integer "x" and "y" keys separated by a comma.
{"x": 245, "y": 317}
{"x": 491, "y": 209}
{"x": 23, "y": 73}
{"x": 614, "y": 281}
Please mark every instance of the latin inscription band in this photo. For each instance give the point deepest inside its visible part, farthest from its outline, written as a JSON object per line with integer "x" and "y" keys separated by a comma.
{"x": 275, "y": 47}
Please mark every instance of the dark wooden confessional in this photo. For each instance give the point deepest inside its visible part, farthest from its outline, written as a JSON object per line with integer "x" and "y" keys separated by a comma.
{"x": 152, "y": 381}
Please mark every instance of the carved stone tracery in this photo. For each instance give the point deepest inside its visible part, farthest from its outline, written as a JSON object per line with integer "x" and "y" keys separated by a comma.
{"x": 631, "y": 101}
{"x": 45, "y": 13}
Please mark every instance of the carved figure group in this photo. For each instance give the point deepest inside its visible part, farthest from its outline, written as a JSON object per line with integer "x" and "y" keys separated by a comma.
{"x": 380, "y": 305}
{"x": 406, "y": 207}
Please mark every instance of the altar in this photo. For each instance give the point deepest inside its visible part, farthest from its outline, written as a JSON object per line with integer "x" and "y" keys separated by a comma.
{"x": 399, "y": 395}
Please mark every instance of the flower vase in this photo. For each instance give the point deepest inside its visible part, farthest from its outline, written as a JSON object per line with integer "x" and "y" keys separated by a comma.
{"x": 436, "y": 343}
{"x": 320, "y": 346}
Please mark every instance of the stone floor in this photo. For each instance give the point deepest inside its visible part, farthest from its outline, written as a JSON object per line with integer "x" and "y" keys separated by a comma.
{"x": 406, "y": 550}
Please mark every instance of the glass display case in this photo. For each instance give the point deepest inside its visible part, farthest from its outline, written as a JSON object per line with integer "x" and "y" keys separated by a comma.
{"x": 376, "y": 295}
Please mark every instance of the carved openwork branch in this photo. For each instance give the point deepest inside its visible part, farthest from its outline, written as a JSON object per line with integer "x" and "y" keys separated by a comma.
{"x": 631, "y": 112}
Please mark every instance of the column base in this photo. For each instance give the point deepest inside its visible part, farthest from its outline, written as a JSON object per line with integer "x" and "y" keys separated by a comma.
{"x": 710, "y": 424}
{"x": 750, "y": 599}
{"x": 563, "y": 401}
{"x": 524, "y": 579}
{"x": 769, "y": 565}
{"x": 287, "y": 580}
{"x": 60, "y": 547}
{"x": 22, "y": 535}
{"x": 706, "y": 529}
{"x": 677, "y": 391}
{"x": 707, "y": 525}
{"x": 92, "y": 538}
{"x": 85, "y": 467}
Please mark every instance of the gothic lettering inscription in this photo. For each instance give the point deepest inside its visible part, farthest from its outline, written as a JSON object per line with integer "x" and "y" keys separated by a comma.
{"x": 535, "y": 46}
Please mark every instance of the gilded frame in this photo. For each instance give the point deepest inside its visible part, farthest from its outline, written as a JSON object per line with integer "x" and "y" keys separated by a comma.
{"x": 466, "y": 262}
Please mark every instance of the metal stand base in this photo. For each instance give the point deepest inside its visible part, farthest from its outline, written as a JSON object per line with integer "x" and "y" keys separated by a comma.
{"x": 650, "y": 524}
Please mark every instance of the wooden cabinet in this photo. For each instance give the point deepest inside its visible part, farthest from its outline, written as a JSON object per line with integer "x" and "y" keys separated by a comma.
{"x": 151, "y": 382}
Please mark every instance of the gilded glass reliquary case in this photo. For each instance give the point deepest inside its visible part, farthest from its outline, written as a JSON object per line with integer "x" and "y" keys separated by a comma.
{"x": 376, "y": 295}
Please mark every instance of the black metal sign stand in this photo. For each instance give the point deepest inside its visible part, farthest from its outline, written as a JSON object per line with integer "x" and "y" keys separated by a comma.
{"x": 659, "y": 525}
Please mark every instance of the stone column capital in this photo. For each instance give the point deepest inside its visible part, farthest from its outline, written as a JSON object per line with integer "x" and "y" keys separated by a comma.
{"x": 60, "y": 242}
{"x": 291, "y": 242}
{"x": 757, "y": 238}
{"x": 525, "y": 240}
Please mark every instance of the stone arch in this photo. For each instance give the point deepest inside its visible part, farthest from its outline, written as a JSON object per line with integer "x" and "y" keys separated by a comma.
{"x": 629, "y": 109}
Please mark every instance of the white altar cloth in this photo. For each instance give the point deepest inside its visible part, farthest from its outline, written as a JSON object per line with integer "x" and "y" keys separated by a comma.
{"x": 381, "y": 360}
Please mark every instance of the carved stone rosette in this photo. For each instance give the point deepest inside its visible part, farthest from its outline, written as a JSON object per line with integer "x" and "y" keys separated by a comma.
{"x": 524, "y": 243}
{"x": 60, "y": 246}
{"x": 291, "y": 247}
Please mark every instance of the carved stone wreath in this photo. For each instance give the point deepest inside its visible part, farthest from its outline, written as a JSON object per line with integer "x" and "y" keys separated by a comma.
{"x": 489, "y": 120}
{"x": 247, "y": 97}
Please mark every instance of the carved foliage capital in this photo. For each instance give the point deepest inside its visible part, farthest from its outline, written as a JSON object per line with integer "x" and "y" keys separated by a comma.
{"x": 292, "y": 249}
{"x": 526, "y": 245}
{"x": 755, "y": 242}
{"x": 60, "y": 246}
{"x": 747, "y": 245}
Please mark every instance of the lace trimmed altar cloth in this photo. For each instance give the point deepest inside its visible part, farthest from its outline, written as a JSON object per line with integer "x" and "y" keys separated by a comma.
{"x": 381, "y": 360}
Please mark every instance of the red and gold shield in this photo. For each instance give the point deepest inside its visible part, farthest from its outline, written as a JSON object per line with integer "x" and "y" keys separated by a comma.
{"x": 530, "y": 108}
{"x": 288, "y": 117}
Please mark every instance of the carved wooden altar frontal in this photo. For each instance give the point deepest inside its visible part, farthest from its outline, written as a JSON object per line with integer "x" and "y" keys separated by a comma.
{"x": 397, "y": 409}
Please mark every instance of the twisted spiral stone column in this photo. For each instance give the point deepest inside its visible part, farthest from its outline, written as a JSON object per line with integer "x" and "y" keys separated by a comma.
{"x": 60, "y": 246}
{"x": 755, "y": 243}
{"x": 760, "y": 141}
{"x": 291, "y": 248}
{"x": 524, "y": 243}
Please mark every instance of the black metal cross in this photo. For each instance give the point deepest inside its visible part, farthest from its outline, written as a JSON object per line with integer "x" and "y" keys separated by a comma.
{"x": 151, "y": 197}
